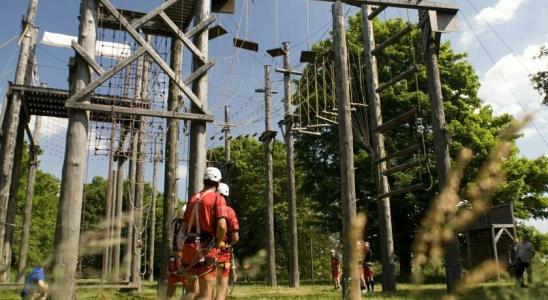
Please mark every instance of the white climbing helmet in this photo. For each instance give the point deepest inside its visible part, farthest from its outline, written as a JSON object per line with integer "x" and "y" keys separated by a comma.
{"x": 212, "y": 174}
{"x": 223, "y": 189}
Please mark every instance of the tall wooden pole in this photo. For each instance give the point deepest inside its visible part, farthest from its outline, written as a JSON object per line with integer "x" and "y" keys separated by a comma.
{"x": 152, "y": 228}
{"x": 171, "y": 161}
{"x": 140, "y": 179}
{"x": 17, "y": 163}
{"x": 118, "y": 206}
{"x": 383, "y": 187}
{"x": 12, "y": 116}
{"x": 107, "y": 251}
{"x": 346, "y": 150}
{"x": 198, "y": 146}
{"x": 290, "y": 156}
{"x": 228, "y": 155}
{"x": 269, "y": 181}
{"x": 12, "y": 202}
{"x": 112, "y": 230}
{"x": 72, "y": 185}
{"x": 25, "y": 231}
{"x": 441, "y": 144}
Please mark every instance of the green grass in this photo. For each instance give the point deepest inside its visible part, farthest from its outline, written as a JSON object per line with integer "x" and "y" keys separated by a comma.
{"x": 499, "y": 291}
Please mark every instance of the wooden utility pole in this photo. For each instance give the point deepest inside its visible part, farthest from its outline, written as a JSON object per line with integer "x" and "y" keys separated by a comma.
{"x": 290, "y": 156}
{"x": 171, "y": 161}
{"x": 107, "y": 251}
{"x": 72, "y": 185}
{"x": 152, "y": 231}
{"x": 441, "y": 142}
{"x": 383, "y": 187}
{"x": 268, "y": 140}
{"x": 25, "y": 231}
{"x": 198, "y": 143}
{"x": 346, "y": 150}
{"x": 12, "y": 118}
{"x": 132, "y": 166}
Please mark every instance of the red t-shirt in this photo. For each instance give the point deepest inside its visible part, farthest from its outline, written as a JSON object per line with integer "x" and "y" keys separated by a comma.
{"x": 212, "y": 207}
{"x": 232, "y": 223}
{"x": 334, "y": 264}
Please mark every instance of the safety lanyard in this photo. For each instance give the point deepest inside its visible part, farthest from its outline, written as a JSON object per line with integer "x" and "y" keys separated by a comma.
{"x": 195, "y": 215}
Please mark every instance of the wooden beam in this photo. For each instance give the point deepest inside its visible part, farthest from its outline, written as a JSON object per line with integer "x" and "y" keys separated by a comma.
{"x": 403, "y": 152}
{"x": 376, "y": 12}
{"x": 179, "y": 34}
{"x": 139, "y": 111}
{"x": 91, "y": 62}
{"x": 391, "y": 40}
{"x": 200, "y": 27}
{"x": 404, "y": 166}
{"x": 106, "y": 75}
{"x": 199, "y": 72}
{"x": 413, "y": 4}
{"x": 285, "y": 71}
{"x": 396, "y": 121}
{"x": 306, "y": 132}
{"x": 137, "y": 23}
{"x": 156, "y": 57}
{"x": 398, "y": 78}
{"x": 404, "y": 190}
{"x": 327, "y": 120}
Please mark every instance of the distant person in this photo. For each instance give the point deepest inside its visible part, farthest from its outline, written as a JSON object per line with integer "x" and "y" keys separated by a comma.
{"x": 225, "y": 264}
{"x": 367, "y": 266}
{"x": 335, "y": 269}
{"x": 525, "y": 251}
{"x": 35, "y": 283}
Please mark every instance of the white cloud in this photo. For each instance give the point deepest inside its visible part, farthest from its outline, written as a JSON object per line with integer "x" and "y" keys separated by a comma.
{"x": 502, "y": 12}
{"x": 509, "y": 77}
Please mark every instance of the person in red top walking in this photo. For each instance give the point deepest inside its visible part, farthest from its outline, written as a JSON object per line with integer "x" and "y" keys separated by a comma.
{"x": 335, "y": 267}
{"x": 225, "y": 266}
{"x": 204, "y": 227}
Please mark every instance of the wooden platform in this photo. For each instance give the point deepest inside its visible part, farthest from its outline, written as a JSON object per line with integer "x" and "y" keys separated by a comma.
{"x": 50, "y": 102}
{"x": 181, "y": 13}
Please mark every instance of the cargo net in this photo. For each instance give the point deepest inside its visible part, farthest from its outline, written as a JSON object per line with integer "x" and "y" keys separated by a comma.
{"x": 142, "y": 84}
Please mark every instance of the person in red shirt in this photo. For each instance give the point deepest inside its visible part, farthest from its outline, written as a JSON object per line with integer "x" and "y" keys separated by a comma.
{"x": 204, "y": 227}
{"x": 224, "y": 265}
{"x": 367, "y": 265}
{"x": 335, "y": 267}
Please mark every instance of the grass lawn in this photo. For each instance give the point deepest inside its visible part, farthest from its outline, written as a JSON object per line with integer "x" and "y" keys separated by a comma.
{"x": 498, "y": 291}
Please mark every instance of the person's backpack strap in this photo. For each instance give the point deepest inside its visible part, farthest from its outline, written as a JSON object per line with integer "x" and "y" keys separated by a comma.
{"x": 195, "y": 216}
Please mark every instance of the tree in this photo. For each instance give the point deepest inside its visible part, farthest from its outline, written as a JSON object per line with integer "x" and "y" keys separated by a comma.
{"x": 540, "y": 79}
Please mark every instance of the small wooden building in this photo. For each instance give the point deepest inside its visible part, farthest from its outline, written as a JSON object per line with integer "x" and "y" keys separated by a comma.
{"x": 490, "y": 236}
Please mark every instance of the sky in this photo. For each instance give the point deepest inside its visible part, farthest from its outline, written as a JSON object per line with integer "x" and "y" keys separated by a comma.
{"x": 498, "y": 36}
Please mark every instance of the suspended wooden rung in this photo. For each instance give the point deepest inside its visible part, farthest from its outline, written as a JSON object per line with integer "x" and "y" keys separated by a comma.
{"x": 404, "y": 166}
{"x": 247, "y": 45}
{"x": 358, "y": 104}
{"x": 216, "y": 31}
{"x": 309, "y": 132}
{"x": 318, "y": 126}
{"x": 275, "y": 52}
{"x": 396, "y": 121}
{"x": 398, "y": 78}
{"x": 376, "y": 12}
{"x": 391, "y": 40}
{"x": 221, "y": 138}
{"x": 336, "y": 109}
{"x": 330, "y": 113}
{"x": 307, "y": 57}
{"x": 254, "y": 135}
{"x": 327, "y": 120}
{"x": 299, "y": 128}
{"x": 403, "y": 152}
{"x": 404, "y": 190}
